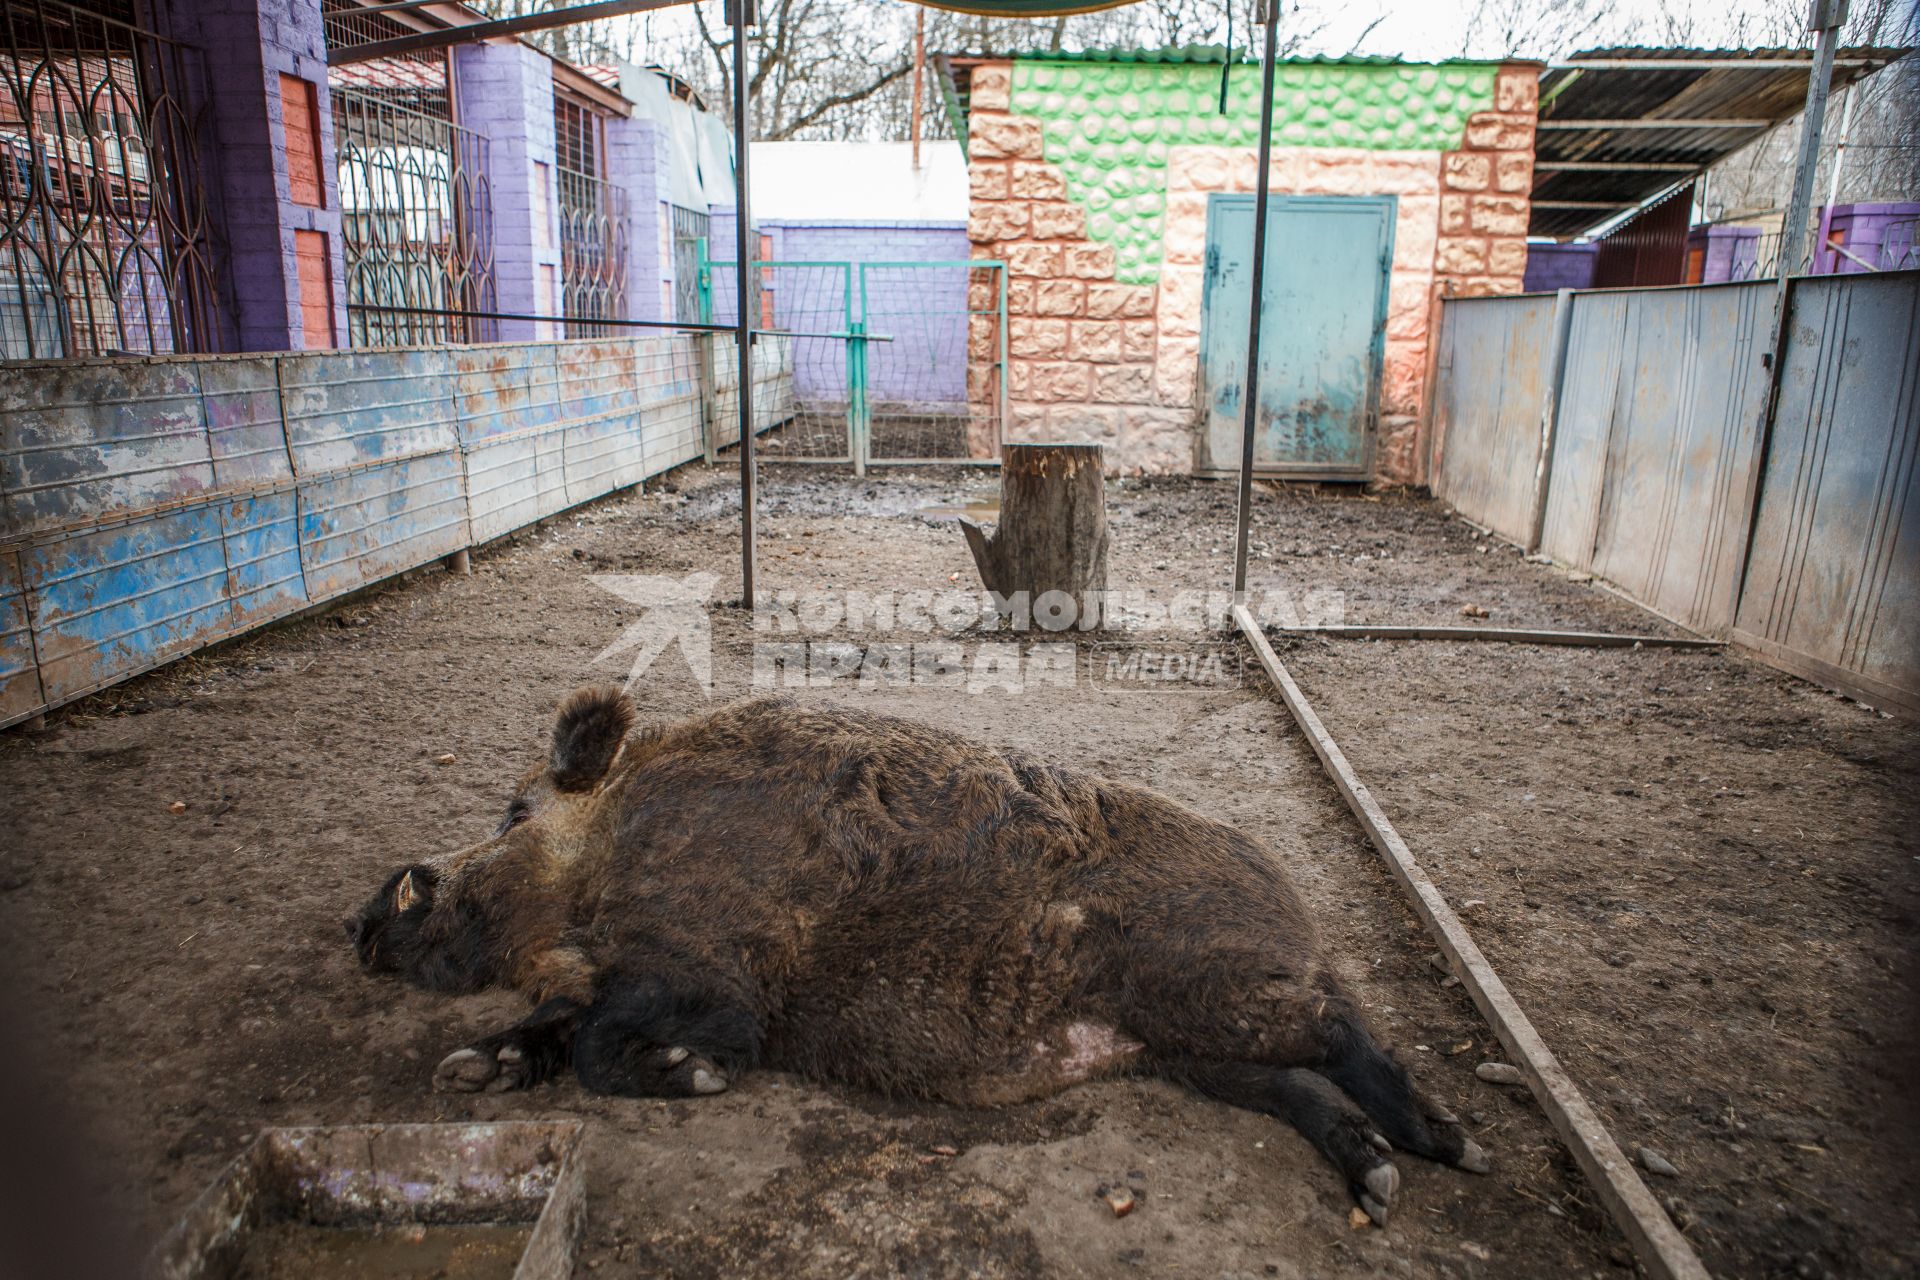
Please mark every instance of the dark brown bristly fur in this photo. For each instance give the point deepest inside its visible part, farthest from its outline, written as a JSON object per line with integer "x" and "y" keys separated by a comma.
{"x": 862, "y": 898}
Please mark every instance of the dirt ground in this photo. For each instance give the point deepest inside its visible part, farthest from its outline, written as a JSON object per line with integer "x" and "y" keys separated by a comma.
{"x": 1698, "y": 876}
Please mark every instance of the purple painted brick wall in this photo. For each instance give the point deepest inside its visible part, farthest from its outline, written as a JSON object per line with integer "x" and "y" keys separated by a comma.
{"x": 1727, "y": 252}
{"x": 922, "y": 309}
{"x": 506, "y": 92}
{"x": 1883, "y": 234}
{"x": 638, "y": 162}
{"x": 248, "y": 45}
{"x": 1559, "y": 266}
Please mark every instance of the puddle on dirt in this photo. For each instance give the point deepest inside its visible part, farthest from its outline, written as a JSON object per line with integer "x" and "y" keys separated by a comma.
{"x": 988, "y": 512}
{"x": 301, "y": 1251}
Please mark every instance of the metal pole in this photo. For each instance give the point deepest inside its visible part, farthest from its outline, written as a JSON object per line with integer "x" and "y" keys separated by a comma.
{"x": 1840, "y": 145}
{"x": 1550, "y": 417}
{"x": 1825, "y": 19}
{"x": 1252, "y": 391}
{"x": 919, "y": 75}
{"x": 738, "y": 16}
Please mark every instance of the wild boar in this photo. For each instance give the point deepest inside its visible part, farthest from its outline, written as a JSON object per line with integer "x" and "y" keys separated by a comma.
{"x": 865, "y": 899}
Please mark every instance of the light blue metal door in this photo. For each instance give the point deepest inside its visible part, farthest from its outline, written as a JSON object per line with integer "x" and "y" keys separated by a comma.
{"x": 1322, "y": 330}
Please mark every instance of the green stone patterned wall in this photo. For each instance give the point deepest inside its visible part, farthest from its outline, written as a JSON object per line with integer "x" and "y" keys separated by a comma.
{"x": 1108, "y": 127}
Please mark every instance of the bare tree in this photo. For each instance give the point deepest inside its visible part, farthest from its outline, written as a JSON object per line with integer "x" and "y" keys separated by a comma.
{"x": 584, "y": 42}
{"x": 1533, "y": 28}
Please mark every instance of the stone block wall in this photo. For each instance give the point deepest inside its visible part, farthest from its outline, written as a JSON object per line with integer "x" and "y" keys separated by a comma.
{"x": 1091, "y": 181}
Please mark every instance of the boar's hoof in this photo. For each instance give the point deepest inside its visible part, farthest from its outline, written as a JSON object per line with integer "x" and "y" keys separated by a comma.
{"x": 1379, "y": 1141}
{"x": 1377, "y": 1199}
{"x": 472, "y": 1070}
{"x": 705, "y": 1081}
{"x": 1473, "y": 1159}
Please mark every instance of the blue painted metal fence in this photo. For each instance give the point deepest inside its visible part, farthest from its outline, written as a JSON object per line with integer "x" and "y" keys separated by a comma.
{"x": 149, "y": 508}
{"x": 1656, "y": 427}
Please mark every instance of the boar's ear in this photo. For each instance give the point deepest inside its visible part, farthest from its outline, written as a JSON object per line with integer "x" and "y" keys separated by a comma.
{"x": 592, "y": 724}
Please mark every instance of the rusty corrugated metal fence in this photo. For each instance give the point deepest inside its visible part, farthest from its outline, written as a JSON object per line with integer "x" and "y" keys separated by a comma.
{"x": 1796, "y": 534}
{"x": 152, "y": 507}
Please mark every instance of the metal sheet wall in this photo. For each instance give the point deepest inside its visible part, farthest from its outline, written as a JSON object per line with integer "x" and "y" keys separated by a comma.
{"x": 1833, "y": 578}
{"x": 1654, "y": 443}
{"x": 1490, "y": 389}
{"x": 152, "y": 507}
{"x": 1815, "y": 563}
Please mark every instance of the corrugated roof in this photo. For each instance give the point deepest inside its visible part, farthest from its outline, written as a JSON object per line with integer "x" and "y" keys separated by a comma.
{"x": 1214, "y": 54}
{"x": 1601, "y": 148}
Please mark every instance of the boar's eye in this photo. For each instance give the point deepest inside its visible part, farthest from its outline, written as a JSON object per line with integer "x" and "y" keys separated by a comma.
{"x": 517, "y": 813}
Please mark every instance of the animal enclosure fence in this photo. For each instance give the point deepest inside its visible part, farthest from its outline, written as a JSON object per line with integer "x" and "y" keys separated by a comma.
{"x": 149, "y": 508}
{"x": 893, "y": 362}
{"x": 1638, "y": 434}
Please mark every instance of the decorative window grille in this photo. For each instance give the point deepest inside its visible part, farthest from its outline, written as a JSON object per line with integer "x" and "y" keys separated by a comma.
{"x": 416, "y": 223}
{"x": 593, "y": 224}
{"x": 105, "y": 242}
{"x": 416, "y": 204}
{"x": 689, "y": 229}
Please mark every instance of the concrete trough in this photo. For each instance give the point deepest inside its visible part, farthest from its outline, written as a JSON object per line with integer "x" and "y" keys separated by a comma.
{"x": 505, "y": 1199}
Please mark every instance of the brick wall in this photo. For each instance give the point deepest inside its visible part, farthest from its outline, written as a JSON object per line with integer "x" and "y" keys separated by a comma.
{"x": 505, "y": 91}
{"x": 639, "y": 163}
{"x": 1097, "y": 360}
{"x": 249, "y": 45}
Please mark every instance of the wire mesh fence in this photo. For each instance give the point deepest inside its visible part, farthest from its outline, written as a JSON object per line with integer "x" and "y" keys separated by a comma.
{"x": 812, "y": 302}
{"x": 774, "y": 401}
{"x": 934, "y": 357}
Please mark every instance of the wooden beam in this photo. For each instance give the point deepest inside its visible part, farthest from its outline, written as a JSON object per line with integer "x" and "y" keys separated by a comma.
{"x": 1657, "y": 124}
{"x": 1704, "y": 64}
{"x": 1615, "y": 166}
{"x": 1656, "y": 1242}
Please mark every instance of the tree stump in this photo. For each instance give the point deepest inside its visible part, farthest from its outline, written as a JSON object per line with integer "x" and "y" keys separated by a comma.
{"x": 1052, "y": 535}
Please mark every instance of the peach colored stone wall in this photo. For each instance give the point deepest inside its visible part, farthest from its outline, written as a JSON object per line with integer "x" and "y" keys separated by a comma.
{"x": 1093, "y": 360}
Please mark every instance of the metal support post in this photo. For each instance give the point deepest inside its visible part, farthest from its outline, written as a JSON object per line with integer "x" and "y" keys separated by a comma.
{"x": 1550, "y": 416}
{"x": 1824, "y": 19}
{"x": 738, "y": 16}
{"x": 859, "y": 408}
{"x": 1252, "y": 392}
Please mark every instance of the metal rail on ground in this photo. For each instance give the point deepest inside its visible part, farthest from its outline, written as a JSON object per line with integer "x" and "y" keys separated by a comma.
{"x": 1656, "y": 1242}
{"x": 1505, "y": 635}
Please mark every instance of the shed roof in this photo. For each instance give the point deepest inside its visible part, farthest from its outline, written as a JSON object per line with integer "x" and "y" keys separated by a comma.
{"x": 1620, "y": 125}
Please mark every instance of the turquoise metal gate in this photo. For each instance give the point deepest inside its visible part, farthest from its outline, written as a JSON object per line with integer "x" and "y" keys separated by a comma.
{"x": 894, "y": 363}
{"x": 1325, "y": 307}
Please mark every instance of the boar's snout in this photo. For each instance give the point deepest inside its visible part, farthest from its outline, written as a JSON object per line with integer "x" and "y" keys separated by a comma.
{"x": 391, "y": 919}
